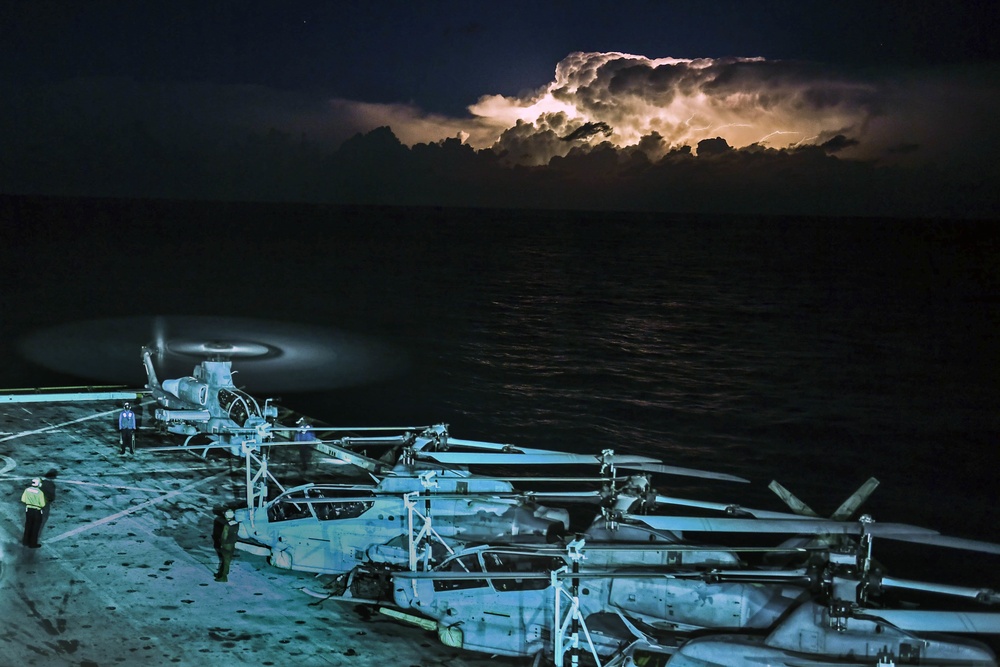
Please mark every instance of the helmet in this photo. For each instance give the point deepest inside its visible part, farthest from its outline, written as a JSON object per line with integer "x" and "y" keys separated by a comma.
{"x": 128, "y": 405}
{"x": 230, "y": 514}
{"x": 36, "y": 482}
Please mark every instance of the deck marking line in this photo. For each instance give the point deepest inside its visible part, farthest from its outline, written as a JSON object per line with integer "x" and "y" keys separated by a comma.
{"x": 131, "y": 510}
{"x": 96, "y": 415}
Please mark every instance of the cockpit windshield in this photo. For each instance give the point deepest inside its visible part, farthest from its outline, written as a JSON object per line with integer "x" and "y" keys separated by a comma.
{"x": 466, "y": 563}
{"x": 502, "y": 561}
{"x": 238, "y": 405}
{"x": 325, "y": 504}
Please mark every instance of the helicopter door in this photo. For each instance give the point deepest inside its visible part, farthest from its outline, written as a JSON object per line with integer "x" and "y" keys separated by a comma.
{"x": 458, "y": 603}
{"x": 522, "y": 606}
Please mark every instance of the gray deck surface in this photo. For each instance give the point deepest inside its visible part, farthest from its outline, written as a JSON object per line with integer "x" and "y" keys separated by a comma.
{"x": 125, "y": 572}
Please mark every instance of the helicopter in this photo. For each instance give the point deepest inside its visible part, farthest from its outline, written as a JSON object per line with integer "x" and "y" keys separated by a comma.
{"x": 332, "y": 528}
{"x": 420, "y": 510}
{"x": 499, "y": 600}
{"x": 846, "y": 621}
{"x": 207, "y": 404}
{"x": 505, "y": 600}
{"x": 816, "y": 635}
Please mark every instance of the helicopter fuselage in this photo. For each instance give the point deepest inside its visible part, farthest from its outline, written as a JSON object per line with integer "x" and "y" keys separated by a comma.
{"x": 516, "y": 616}
{"x": 811, "y": 636}
{"x": 332, "y": 528}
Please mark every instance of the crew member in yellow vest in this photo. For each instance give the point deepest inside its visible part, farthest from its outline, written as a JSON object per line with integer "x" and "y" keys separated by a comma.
{"x": 34, "y": 501}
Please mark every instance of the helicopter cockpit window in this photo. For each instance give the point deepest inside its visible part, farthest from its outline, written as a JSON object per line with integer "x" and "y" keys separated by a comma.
{"x": 287, "y": 510}
{"x": 291, "y": 507}
{"x": 526, "y": 563}
{"x": 237, "y": 405}
{"x": 339, "y": 509}
{"x": 466, "y": 563}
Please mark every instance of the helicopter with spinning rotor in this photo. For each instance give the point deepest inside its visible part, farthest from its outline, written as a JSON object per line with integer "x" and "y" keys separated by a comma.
{"x": 207, "y": 403}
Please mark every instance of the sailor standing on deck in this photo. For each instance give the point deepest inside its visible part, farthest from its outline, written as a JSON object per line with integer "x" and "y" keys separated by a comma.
{"x": 126, "y": 429}
{"x": 227, "y": 544}
{"x": 34, "y": 501}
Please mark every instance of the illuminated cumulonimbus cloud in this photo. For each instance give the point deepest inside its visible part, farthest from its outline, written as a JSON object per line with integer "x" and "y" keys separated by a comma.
{"x": 621, "y": 98}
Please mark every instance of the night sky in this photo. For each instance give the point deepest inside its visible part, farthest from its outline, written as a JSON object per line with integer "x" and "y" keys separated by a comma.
{"x": 789, "y": 107}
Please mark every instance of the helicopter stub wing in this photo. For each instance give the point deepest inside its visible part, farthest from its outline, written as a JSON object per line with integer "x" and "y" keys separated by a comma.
{"x": 789, "y": 526}
{"x": 685, "y": 472}
{"x": 938, "y": 621}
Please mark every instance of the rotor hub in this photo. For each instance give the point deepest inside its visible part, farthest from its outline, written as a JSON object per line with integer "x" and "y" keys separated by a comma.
{"x": 224, "y": 349}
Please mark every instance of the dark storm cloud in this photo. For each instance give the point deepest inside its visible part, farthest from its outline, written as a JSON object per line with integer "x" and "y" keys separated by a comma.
{"x": 745, "y": 100}
{"x": 588, "y": 130}
{"x": 610, "y": 131}
{"x": 837, "y": 143}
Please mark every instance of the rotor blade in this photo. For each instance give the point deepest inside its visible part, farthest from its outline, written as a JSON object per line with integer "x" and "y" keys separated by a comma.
{"x": 497, "y": 447}
{"x": 342, "y": 454}
{"x": 792, "y": 526}
{"x": 550, "y": 458}
{"x": 984, "y": 595}
{"x": 417, "y": 496}
{"x": 939, "y": 621}
{"x": 958, "y": 543}
{"x": 351, "y": 429}
{"x": 589, "y": 497}
{"x": 855, "y": 500}
{"x": 797, "y": 505}
{"x": 724, "y": 507}
{"x": 686, "y": 472}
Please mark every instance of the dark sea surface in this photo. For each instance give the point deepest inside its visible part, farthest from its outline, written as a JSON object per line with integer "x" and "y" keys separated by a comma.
{"x": 817, "y": 352}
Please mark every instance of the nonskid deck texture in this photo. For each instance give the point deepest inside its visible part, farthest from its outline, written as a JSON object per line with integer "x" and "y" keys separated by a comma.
{"x": 125, "y": 573}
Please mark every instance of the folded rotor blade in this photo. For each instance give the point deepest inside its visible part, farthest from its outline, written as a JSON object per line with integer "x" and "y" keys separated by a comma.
{"x": 958, "y": 543}
{"x": 855, "y": 500}
{"x": 984, "y": 595}
{"x": 940, "y": 621}
{"x": 548, "y": 458}
{"x": 791, "y": 500}
{"x": 723, "y": 507}
{"x": 497, "y": 447}
{"x": 792, "y": 526}
{"x": 686, "y": 472}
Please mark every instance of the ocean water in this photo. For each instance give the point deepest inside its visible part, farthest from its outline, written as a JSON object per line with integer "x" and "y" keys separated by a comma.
{"x": 817, "y": 352}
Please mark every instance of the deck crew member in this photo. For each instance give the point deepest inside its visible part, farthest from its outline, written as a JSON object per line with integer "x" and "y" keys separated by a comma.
{"x": 126, "y": 429}
{"x": 34, "y": 501}
{"x": 227, "y": 544}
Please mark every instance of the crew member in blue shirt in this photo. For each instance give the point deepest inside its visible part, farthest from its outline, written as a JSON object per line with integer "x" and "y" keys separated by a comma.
{"x": 126, "y": 429}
